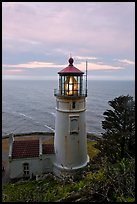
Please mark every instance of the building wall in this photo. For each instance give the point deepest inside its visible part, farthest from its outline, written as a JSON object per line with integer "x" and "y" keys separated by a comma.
{"x": 47, "y": 164}
{"x": 37, "y": 166}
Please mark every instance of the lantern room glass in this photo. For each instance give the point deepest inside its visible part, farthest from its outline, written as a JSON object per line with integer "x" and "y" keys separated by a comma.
{"x": 70, "y": 85}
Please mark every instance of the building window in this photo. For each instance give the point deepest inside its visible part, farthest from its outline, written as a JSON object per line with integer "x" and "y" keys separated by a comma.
{"x": 74, "y": 126}
{"x": 26, "y": 169}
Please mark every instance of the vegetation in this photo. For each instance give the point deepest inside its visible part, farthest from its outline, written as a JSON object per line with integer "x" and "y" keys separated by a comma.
{"x": 117, "y": 147}
{"x": 92, "y": 151}
{"x": 108, "y": 184}
{"x": 119, "y": 125}
{"x": 110, "y": 174}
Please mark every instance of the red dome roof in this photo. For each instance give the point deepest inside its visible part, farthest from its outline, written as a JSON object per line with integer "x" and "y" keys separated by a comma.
{"x": 70, "y": 69}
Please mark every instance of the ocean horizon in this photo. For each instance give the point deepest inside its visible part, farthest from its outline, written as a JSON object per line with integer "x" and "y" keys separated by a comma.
{"x": 29, "y": 105}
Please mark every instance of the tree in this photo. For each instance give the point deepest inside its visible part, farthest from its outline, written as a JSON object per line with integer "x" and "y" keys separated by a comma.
{"x": 119, "y": 125}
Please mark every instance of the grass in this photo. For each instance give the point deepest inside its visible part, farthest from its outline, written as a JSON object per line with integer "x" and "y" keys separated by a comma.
{"x": 5, "y": 145}
{"x": 92, "y": 151}
{"x": 48, "y": 190}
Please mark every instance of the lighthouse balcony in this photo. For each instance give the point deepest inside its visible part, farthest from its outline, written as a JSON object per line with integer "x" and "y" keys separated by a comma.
{"x": 74, "y": 94}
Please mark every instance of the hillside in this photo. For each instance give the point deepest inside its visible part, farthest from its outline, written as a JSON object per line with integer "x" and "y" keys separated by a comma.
{"x": 98, "y": 183}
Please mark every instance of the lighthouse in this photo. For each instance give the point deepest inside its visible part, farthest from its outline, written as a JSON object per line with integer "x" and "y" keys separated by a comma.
{"x": 70, "y": 140}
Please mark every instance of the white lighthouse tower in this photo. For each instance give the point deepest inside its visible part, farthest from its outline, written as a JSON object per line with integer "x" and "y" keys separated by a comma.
{"x": 70, "y": 141}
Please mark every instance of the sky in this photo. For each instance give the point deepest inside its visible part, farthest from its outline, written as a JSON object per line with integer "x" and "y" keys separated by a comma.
{"x": 38, "y": 38}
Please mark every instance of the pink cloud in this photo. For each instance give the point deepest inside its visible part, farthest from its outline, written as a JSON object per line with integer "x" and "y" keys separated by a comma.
{"x": 34, "y": 64}
{"x": 96, "y": 66}
{"x": 126, "y": 61}
{"x": 12, "y": 71}
{"x": 81, "y": 66}
{"x": 85, "y": 58}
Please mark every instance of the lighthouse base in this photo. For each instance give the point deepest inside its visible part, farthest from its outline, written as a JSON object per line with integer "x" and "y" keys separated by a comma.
{"x": 63, "y": 172}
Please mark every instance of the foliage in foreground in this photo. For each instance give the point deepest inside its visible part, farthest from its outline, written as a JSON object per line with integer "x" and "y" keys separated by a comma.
{"x": 119, "y": 125}
{"x": 110, "y": 183}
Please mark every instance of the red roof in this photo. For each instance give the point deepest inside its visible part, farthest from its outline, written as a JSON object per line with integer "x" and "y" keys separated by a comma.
{"x": 48, "y": 148}
{"x": 30, "y": 148}
{"x": 70, "y": 68}
{"x": 25, "y": 149}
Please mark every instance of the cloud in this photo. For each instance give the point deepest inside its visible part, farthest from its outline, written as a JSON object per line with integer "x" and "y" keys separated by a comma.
{"x": 12, "y": 71}
{"x": 96, "y": 66}
{"x": 100, "y": 28}
{"x": 85, "y": 58}
{"x": 31, "y": 65}
{"x": 81, "y": 66}
{"x": 40, "y": 35}
{"x": 126, "y": 61}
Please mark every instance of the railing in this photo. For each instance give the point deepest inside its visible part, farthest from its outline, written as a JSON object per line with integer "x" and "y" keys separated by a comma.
{"x": 76, "y": 93}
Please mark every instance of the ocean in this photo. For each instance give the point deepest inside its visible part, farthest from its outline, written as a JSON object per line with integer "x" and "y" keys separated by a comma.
{"x": 29, "y": 105}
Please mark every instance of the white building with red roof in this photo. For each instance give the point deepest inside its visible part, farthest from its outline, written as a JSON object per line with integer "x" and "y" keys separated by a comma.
{"x": 28, "y": 158}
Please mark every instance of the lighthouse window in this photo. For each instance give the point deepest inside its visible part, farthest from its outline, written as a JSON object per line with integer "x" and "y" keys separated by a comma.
{"x": 62, "y": 85}
{"x": 74, "y": 128}
{"x": 73, "y": 105}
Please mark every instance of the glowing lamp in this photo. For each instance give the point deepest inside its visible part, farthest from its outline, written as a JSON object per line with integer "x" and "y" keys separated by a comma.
{"x": 71, "y": 86}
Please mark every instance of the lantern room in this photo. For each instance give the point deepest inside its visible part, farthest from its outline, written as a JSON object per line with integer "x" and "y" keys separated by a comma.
{"x": 70, "y": 81}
